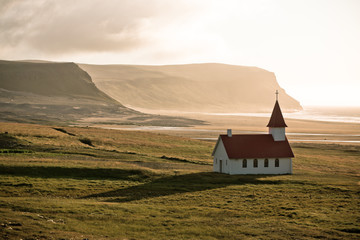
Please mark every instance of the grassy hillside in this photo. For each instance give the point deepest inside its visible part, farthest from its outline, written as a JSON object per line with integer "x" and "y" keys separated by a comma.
{"x": 42, "y": 92}
{"x": 49, "y": 79}
{"x": 87, "y": 183}
{"x": 193, "y": 87}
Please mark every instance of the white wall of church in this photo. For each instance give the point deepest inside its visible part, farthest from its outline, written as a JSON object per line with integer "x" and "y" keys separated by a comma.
{"x": 236, "y": 166}
{"x": 221, "y": 160}
{"x": 223, "y": 164}
{"x": 277, "y": 133}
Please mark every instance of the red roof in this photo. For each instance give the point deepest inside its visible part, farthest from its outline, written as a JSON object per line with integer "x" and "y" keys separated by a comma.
{"x": 277, "y": 119}
{"x": 256, "y": 146}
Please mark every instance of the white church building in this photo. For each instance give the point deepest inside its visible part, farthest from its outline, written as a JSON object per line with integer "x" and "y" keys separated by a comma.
{"x": 255, "y": 153}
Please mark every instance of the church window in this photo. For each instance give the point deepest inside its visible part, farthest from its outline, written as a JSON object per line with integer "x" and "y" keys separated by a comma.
{"x": 244, "y": 163}
{"x": 255, "y": 163}
{"x": 277, "y": 163}
{"x": 266, "y": 163}
{"x": 226, "y": 162}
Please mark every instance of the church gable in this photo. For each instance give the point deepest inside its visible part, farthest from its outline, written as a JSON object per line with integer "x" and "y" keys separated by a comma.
{"x": 219, "y": 150}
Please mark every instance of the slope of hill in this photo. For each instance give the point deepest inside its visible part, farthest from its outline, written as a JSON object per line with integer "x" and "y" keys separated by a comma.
{"x": 207, "y": 87}
{"x": 63, "y": 92}
{"x": 49, "y": 79}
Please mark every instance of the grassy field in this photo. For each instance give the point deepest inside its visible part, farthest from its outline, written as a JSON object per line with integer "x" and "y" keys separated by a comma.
{"x": 86, "y": 183}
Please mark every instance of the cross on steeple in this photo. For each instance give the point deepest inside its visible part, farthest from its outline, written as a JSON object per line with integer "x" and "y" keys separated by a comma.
{"x": 277, "y": 93}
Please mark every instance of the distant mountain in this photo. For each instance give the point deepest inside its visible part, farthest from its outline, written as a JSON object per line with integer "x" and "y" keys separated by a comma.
{"x": 62, "y": 92}
{"x": 209, "y": 87}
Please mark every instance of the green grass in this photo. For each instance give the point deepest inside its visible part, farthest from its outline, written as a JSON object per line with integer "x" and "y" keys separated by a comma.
{"x": 136, "y": 185}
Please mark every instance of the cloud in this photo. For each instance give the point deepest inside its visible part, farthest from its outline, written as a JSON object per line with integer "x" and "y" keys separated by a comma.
{"x": 15, "y": 17}
{"x": 66, "y": 26}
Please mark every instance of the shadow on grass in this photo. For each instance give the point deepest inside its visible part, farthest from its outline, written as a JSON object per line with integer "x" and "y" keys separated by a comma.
{"x": 9, "y": 141}
{"x": 180, "y": 184}
{"x": 151, "y": 185}
{"x": 75, "y": 173}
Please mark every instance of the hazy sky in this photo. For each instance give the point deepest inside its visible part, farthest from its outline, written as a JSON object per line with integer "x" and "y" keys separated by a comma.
{"x": 313, "y": 46}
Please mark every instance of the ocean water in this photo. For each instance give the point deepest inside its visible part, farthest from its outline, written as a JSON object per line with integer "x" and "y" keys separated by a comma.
{"x": 314, "y": 113}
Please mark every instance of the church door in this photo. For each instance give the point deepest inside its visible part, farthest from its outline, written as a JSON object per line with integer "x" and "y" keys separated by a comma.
{"x": 221, "y": 170}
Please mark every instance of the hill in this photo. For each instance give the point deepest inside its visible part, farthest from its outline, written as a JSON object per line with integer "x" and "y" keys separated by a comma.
{"x": 209, "y": 87}
{"x": 63, "y": 92}
{"x": 49, "y": 79}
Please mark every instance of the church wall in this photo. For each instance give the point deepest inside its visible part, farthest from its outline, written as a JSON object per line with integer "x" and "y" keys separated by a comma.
{"x": 220, "y": 154}
{"x": 236, "y": 166}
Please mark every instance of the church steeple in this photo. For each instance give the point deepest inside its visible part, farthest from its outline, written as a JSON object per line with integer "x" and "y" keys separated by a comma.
{"x": 276, "y": 119}
{"x": 277, "y": 123}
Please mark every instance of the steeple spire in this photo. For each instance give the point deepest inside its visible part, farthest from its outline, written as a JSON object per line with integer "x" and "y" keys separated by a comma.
{"x": 277, "y": 119}
{"x": 277, "y": 123}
